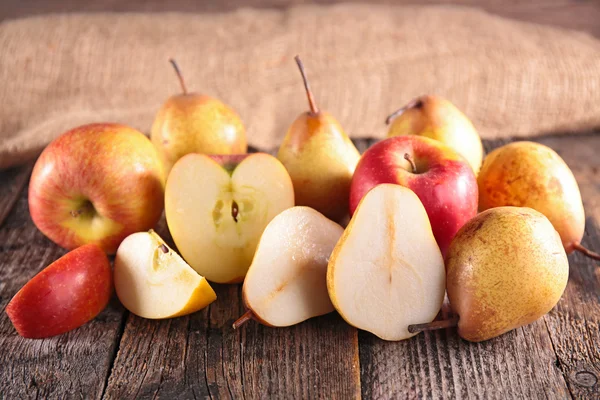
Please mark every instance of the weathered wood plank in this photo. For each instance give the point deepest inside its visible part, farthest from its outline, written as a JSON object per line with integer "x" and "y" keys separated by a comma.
{"x": 201, "y": 356}
{"x": 75, "y": 364}
{"x": 574, "y": 325}
{"x": 13, "y": 183}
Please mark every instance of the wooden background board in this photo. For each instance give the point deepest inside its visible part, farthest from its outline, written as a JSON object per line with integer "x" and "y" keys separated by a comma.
{"x": 119, "y": 355}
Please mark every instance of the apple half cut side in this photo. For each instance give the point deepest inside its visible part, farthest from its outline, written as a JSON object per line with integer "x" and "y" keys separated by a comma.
{"x": 153, "y": 281}
{"x": 387, "y": 272}
{"x": 286, "y": 283}
{"x": 217, "y": 207}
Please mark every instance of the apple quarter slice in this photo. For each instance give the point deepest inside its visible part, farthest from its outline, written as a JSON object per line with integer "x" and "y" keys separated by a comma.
{"x": 286, "y": 283}
{"x": 387, "y": 271}
{"x": 154, "y": 282}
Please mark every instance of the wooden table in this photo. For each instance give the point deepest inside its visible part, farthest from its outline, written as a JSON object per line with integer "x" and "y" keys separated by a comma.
{"x": 121, "y": 356}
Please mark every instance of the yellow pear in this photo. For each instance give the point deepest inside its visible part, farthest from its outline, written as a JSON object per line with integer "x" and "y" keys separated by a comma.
{"x": 528, "y": 174}
{"x": 439, "y": 119}
{"x": 320, "y": 159}
{"x": 195, "y": 123}
{"x": 505, "y": 268}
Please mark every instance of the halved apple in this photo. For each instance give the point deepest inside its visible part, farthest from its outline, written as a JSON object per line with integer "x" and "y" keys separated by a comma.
{"x": 154, "y": 282}
{"x": 387, "y": 271}
{"x": 217, "y": 208}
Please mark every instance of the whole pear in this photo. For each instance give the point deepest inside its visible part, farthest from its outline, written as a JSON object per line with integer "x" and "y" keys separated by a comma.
{"x": 195, "y": 123}
{"x": 320, "y": 158}
{"x": 439, "y": 119}
{"x": 505, "y": 268}
{"x": 527, "y": 174}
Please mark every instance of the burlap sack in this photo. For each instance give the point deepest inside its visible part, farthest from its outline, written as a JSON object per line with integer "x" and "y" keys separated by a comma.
{"x": 511, "y": 78}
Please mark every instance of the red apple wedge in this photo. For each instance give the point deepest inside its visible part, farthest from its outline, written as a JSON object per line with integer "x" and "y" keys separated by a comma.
{"x": 65, "y": 295}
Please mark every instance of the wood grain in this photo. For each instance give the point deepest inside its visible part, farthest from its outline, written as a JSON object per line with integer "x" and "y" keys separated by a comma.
{"x": 13, "y": 182}
{"x": 75, "y": 364}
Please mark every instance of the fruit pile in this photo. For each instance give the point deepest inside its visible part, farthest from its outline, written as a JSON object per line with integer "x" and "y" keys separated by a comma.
{"x": 275, "y": 223}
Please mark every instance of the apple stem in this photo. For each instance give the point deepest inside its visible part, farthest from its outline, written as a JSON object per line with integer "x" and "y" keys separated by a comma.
{"x": 591, "y": 254}
{"x": 248, "y": 315}
{"x": 234, "y": 210}
{"x": 408, "y": 158}
{"x": 164, "y": 248}
{"x": 416, "y": 103}
{"x": 311, "y": 100}
{"x": 179, "y": 75}
{"x": 434, "y": 325}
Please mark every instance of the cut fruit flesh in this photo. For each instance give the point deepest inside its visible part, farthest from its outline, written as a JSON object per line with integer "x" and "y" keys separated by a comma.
{"x": 286, "y": 283}
{"x": 387, "y": 272}
{"x": 154, "y": 283}
{"x": 216, "y": 219}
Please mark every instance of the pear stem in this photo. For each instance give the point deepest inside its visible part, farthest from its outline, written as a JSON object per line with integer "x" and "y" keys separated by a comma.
{"x": 248, "y": 315}
{"x": 434, "y": 325}
{"x": 179, "y": 75}
{"x": 408, "y": 158}
{"x": 416, "y": 103}
{"x": 591, "y": 254}
{"x": 311, "y": 100}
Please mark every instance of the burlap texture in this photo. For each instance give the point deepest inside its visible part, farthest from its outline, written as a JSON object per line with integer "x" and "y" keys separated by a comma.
{"x": 510, "y": 78}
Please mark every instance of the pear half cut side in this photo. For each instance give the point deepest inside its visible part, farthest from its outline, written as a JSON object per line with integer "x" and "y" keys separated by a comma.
{"x": 387, "y": 271}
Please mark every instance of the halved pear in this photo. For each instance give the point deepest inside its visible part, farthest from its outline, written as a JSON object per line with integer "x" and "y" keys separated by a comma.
{"x": 286, "y": 283}
{"x": 153, "y": 281}
{"x": 387, "y": 271}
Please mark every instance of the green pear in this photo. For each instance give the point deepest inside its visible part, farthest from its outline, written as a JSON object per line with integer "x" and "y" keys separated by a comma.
{"x": 320, "y": 158}
{"x": 505, "y": 268}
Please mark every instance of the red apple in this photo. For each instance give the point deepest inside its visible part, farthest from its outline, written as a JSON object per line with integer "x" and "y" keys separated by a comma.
{"x": 97, "y": 184}
{"x": 439, "y": 176}
{"x": 65, "y": 295}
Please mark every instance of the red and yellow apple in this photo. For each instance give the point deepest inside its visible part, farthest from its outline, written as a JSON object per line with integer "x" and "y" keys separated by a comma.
{"x": 441, "y": 178}
{"x": 65, "y": 295}
{"x": 96, "y": 184}
{"x": 217, "y": 208}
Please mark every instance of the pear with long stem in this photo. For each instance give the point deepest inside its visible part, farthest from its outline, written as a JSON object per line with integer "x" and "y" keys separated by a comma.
{"x": 320, "y": 158}
{"x": 196, "y": 123}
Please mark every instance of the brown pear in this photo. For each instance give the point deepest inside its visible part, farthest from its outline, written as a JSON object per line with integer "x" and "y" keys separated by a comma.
{"x": 320, "y": 159}
{"x": 528, "y": 174}
{"x": 437, "y": 118}
{"x": 196, "y": 123}
{"x": 505, "y": 268}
